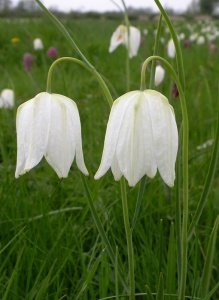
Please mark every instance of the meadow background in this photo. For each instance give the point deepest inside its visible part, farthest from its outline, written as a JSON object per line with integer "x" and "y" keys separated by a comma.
{"x": 49, "y": 245}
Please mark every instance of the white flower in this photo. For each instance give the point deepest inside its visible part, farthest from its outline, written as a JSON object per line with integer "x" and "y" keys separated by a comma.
{"x": 141, "y": 136}
{"x": 200, "y": 40}
{"x": 159, "y": 75}
{"x": 206, "y": 144}
{"x": 7, "y": 98}
{"x": 120, "y": 36}
{"x": 49, "y": 125}
{"x": 171, "y": 49}
{"x": 37, "y": 44}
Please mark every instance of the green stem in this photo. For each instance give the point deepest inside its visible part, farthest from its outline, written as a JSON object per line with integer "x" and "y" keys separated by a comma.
{"x": 128, "y": 233}
{"x": 103, "y": 85}
{"x": 64, "y": 32}
{"x": 156, "y": 44}
{"x": 208, "y": 181}
{"x": 184, "y": 167}
{"x": 128, "y": 48}
{"x": 101, "y": 231}
{"x": 179, "y": 59}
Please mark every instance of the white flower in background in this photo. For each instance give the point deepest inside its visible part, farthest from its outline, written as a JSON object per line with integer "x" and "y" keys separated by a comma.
{"x": 159, "y": 75}
{"x": 200, "y": 40}
{"x": 49, "y": 125}
{"x": 206, "y": 144}
{"x": 171, "y": 52}
{"x": 182, "y": 36}
{"x": 193, "y": 37}
{"x": 145, "y": 31}
{"x": 141, "y": 136}
{"x": 7, "y": 98}
{"x": 120, "y": 36}
{"x": 37, "y": 44}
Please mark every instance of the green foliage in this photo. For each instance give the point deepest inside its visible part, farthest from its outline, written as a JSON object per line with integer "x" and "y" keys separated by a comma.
{"x": 49, "y": 243}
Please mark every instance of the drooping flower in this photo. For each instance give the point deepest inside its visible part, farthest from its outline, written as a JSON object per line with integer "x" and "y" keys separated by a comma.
{"x": 159, "y": 74}
{"x": 141, "y": 136}
{"x": 7, "y": 98}
{"x": 171, "y": 52}
{"x": 52, "y": 52}
{"x": 37, "y": 44}
{"x": 49, "y": 126}
{"x": 120, "y": 36}
{"x": 27, "y": 61}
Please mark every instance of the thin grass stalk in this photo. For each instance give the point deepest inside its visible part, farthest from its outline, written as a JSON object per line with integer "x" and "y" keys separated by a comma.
{"x": 101, "y": 231}
{"x": 128, "y": 233}
{"x": 208, "y": 181}
{"x": 184, "y": 167}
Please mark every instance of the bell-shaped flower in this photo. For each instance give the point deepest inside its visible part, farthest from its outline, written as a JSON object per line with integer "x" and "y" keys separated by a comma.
{"x": 7, "y": 98}
{"x": 37, "y": 44}
{"x": 52, "y": 51}
{"x": 171, "y": 52}
{"x": 49, "y": 126}
{"x": 27, "y": 61}
{"x": 141, "y": 137}
{"x": 120, "y": 36}
{"x": 159, "y": 75}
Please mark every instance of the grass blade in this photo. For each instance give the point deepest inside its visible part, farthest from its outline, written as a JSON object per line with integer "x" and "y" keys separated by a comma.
{"x": 206, "y": 275}
{"x": 45, "y": 284}
{"x": 13, "y": 275}
{"x": 160, "y": 289}
{"x": 171, "y": 266}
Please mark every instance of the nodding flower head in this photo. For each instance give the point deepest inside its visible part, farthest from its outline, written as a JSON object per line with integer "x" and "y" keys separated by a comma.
{"x": 27, "y": 61}
{"x": 49, "y": 126}
{"x": 141, "y": 137}
{"x": 52, "y": 52}
{"x": 120, "y": 36}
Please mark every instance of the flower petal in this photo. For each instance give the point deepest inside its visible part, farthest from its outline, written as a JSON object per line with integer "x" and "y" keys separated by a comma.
{"x": 164, "y": 133}
{"x": 115, "y": 121}
{"x": 135, "y": 145}
{"x": 32, "y": 124}
{"x": 134, "y": 40}
{"x": 117, "y": 37}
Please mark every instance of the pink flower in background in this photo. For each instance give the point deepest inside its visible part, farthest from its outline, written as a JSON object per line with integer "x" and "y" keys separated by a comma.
{"x": 187, "y": 43}
{"x": 174, "y": 92}
{"x": 52, "y": 52}
{"x": 212, "y": 48}
{"x": 27, "y": 61}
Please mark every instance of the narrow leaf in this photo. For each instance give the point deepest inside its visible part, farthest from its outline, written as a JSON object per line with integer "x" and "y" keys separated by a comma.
{"x": 149, "y": 295}
{"x": 171, "y": 265}
{"x": 45, "y": 284}
{"x": 207, "y": 270}
{"x": 160, "y": 290}
{"x": 90, "y": 275}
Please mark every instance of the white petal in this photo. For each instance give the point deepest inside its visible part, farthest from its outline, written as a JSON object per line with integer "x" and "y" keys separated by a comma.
{"x": 61, "y": 145}
{"x": 7, "y": 98}
{"x": 117, "y": 37}
{"x": 115, "y": 121}
{"x": 159, "y": 75}
{"x": 115, "y": 169}
{"x": 171, "y": 49}
{"x": 134, "y": 41}
{"x": 135, "y": 145}
{"x": 33, "y": 122}
{"x": 165, "y": 135}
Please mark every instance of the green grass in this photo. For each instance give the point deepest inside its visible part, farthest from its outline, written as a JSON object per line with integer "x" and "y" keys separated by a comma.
{"x": 49, "y": 245}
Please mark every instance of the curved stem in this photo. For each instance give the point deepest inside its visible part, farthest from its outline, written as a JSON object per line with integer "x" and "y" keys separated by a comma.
{"x": 103, "y": 85}
{"x": 184, "y": 168}
{"x": 64, "y": 32}
{"x": 128, "y": 233}
{"x": 128, "y": 49}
